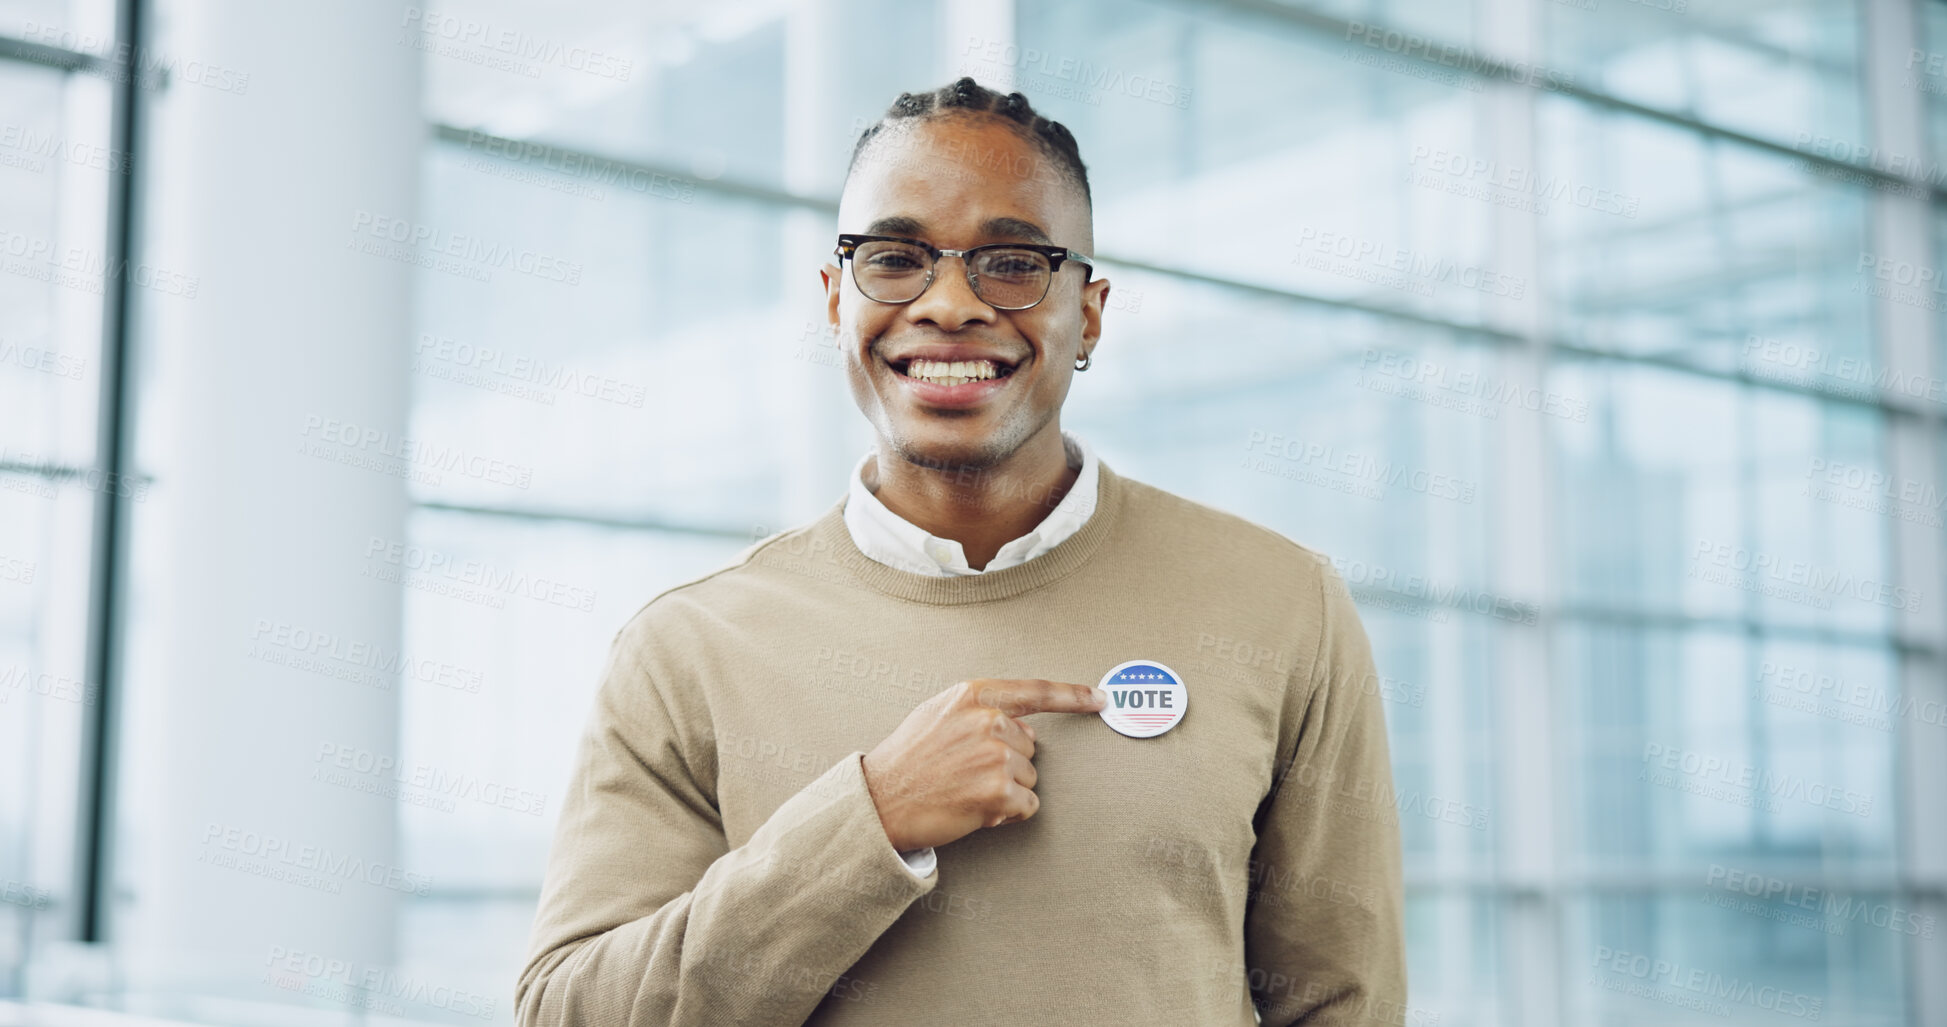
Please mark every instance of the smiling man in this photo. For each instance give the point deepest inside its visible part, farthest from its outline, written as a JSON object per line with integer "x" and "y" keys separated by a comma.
{"x": 1003, "y": 737}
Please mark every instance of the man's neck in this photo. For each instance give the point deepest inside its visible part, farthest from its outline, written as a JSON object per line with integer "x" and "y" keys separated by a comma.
{"x": 983, "y": 509}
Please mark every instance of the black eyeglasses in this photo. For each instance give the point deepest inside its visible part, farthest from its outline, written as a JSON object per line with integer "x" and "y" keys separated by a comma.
{"x": 1006, "y": 276}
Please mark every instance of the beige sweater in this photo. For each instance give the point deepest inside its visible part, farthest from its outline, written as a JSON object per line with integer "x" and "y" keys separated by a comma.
{"x": 719, "y": 860}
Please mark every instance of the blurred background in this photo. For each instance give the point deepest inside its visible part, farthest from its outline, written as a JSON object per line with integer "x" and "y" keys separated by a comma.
{"x": 364, "y": 366}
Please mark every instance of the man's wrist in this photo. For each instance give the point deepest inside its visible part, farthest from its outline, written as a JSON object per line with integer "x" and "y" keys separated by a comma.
{"x": 876, "y": 791}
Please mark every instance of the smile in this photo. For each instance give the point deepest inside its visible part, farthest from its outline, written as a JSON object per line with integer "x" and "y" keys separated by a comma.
{"x": 950, "y": 372}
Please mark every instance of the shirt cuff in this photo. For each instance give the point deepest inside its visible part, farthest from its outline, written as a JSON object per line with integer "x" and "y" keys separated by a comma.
{"x": 920, "y": 861}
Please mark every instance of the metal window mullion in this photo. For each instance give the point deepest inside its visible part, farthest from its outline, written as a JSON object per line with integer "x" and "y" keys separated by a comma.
{"x": 107, "y": 567}
{"x": 13, "y": 48}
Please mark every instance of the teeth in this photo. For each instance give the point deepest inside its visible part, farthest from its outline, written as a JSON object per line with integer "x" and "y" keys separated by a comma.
{"x": 952, "y": 372}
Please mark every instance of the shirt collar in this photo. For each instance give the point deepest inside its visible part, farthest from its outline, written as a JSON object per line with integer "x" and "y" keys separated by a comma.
{"x": 895, "y": 541}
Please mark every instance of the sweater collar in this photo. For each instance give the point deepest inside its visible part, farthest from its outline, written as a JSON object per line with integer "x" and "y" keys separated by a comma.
{"x": 891, "y": 539}
{"x": 828, "y": 534}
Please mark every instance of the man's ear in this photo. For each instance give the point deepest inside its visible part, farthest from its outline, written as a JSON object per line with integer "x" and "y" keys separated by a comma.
{"x": 1095, "y": 296}
{"x": 834, "y": 279}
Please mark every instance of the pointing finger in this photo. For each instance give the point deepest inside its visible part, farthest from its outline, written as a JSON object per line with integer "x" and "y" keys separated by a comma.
{"x": 1018, "y": 697}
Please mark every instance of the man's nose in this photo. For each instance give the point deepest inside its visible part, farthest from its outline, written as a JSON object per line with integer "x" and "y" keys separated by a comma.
{"x": 949, "y": 301}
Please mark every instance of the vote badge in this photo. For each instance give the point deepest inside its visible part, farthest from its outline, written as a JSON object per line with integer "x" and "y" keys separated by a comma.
{"x": 1145, "y": 698}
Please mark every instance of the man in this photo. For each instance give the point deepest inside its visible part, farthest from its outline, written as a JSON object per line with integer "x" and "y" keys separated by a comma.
{"x": 812, "y": 789}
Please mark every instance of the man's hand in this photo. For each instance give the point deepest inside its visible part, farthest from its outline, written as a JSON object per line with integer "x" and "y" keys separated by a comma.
{"x": 961, "y": 760}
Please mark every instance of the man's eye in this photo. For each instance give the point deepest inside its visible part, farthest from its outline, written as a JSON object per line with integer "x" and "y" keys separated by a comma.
{"x": 892, "y": 262}
{"x": 1013, "y": 265}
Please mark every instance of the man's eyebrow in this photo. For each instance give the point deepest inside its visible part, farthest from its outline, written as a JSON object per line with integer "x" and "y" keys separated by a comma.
{"x": 900, "y": 225}
{"x": 1015, "y": 228}
{"x": 992, "y": 228}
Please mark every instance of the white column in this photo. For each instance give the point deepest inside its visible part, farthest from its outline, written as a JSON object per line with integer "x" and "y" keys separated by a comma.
{"x": 254, "y": 192}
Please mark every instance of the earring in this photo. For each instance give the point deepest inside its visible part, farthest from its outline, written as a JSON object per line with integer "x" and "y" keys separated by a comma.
{"x": 1082, "y": 364}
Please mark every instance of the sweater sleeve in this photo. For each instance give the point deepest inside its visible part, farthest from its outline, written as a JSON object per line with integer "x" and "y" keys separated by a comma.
{"x": 1324, "y": 931}
{"x": 647, "y": 916}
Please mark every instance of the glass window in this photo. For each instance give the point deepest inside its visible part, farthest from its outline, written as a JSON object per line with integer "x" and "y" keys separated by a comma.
{"x": 1787, "y": 73}
{"x": 1331, "y": 268}
{"x": 58, "y": 170}
{"x": 701, "y": 94}
{"x": 505, "y": 683}
{"x": 1671, "y": 245}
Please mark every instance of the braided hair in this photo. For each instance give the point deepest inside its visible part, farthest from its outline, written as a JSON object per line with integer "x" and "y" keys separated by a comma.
{"x": 970, "y": 97}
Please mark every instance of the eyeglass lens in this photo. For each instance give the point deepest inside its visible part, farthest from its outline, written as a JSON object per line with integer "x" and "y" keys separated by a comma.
{"x": 896, "y": 272}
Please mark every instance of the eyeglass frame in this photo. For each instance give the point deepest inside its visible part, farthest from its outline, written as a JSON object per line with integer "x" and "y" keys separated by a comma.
{"x": 848, "y": 244}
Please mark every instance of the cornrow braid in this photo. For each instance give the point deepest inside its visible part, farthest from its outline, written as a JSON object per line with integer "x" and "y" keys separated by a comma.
{"x": 965, "y": 95}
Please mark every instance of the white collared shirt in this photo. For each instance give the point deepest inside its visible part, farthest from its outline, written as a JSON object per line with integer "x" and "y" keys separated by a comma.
{"x": 897, "y": 542}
